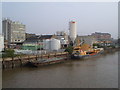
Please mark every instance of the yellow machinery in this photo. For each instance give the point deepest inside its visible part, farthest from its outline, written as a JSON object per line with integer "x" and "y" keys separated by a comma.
{"x": 81, "y": 49}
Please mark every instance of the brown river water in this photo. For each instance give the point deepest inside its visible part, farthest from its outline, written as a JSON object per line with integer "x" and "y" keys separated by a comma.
{"x": 97, "y": 72}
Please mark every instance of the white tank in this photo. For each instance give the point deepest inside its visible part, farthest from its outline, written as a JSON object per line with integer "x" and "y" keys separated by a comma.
{"x": 46, "y": 44}
{"x": 73, "y": 30}
{"x": 55, "y": 44}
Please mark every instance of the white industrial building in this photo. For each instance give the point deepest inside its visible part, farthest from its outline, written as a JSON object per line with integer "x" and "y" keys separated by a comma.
{"x": 63, "y": 37}
{"x": 1, "y": 42}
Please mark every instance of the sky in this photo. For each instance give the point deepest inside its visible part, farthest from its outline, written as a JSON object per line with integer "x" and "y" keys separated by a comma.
{"x": 49, "y": 17}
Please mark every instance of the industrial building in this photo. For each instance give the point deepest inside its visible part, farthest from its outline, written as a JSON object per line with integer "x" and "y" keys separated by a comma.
{"x": 32, "y": 43}
{"x": 99, "y": 35}
{"x": 40, "y": 42}
{"x": 63, "y": 37}
{"x": 103, "y": 39}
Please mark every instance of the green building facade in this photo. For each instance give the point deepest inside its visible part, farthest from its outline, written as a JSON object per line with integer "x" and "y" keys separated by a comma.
{"x": 32, "y": 46}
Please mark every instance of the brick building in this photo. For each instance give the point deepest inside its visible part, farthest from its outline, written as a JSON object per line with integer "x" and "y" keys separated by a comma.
{"x": 103, "y": 38}
{"x": 99, "y": 35}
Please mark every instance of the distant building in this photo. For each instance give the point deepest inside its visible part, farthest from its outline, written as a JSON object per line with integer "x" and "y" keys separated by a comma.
{"x": 99, "y": 35}
{"x": 14, "y": 32}
{"x": 103, "y": 39}
{"x": 61, "y": 33}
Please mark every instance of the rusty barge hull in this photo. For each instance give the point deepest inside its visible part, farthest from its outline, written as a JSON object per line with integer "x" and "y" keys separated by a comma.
{"x": 38, "y": 64}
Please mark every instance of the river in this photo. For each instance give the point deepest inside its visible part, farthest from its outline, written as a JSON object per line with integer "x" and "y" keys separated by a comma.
{"x": 97, "y": 72}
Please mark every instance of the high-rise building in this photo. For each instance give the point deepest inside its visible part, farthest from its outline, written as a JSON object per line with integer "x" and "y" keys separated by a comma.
{"x": 6, "y": 28}
{"x": 17, "y": 32}
{"x": 14, "y": 32}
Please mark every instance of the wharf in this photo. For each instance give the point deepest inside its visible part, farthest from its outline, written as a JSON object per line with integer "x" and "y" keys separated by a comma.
{"x": 22, "y": 60}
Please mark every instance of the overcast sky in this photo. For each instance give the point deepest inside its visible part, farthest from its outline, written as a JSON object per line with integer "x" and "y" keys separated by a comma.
{"x": 49, "y": 17}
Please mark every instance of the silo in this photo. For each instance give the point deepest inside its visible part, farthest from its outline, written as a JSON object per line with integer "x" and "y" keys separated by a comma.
{"x": 73, "y": 30}
{"x": 55, "y": 44}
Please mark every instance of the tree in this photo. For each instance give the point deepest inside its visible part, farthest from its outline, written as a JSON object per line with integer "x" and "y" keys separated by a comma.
{"x": 69, "y": 49}
{"x": 8, "y": 53}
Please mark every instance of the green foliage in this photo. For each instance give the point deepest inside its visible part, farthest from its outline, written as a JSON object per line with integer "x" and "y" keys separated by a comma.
{"x": 98, "y": 46}
{"x": 8, "y": 53}
{"x": 69, "y": 49}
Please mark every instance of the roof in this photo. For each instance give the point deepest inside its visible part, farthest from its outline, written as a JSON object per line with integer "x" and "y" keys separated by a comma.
{"x": 101, "y": 33}
{"x": 37, "y": 38}
{"x": 46, "y": 37}
{"x": 33, "y": 39}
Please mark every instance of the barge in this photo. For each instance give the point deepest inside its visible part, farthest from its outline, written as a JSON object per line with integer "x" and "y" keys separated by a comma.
{"x": 43, "y": 62}
{"x": 78, "y": 53}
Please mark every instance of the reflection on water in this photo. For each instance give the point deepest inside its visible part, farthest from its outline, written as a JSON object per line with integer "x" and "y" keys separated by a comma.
{"x": 98, "y": 72}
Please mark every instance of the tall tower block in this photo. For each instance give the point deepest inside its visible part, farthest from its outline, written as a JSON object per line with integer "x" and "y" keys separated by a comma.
{"x": 73, "y": 30}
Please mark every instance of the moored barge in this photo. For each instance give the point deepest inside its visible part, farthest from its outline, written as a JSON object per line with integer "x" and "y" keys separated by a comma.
{"x": 43, "y": 62}
{"x": 80, "y": 54}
